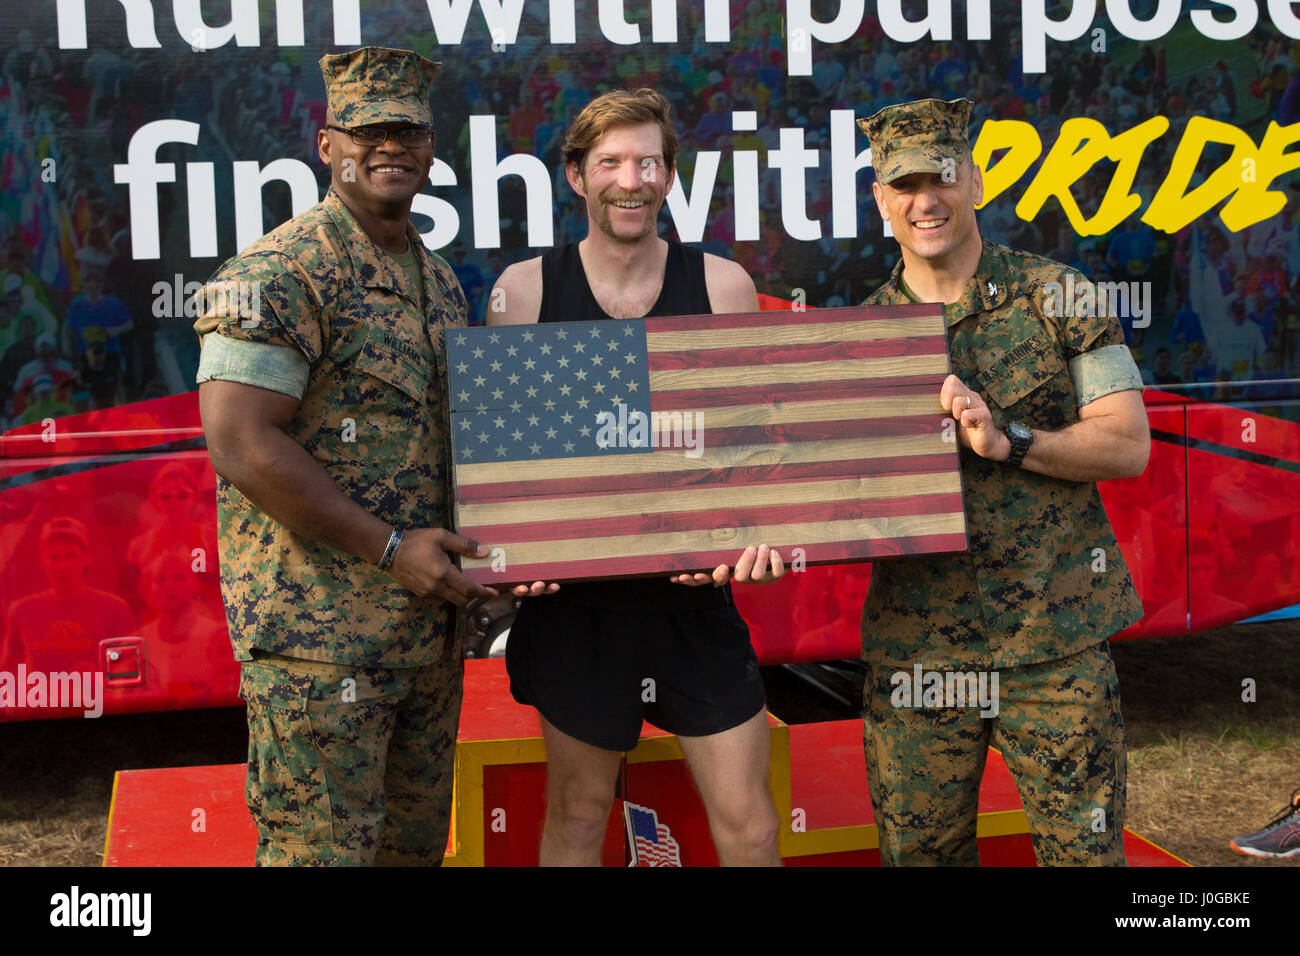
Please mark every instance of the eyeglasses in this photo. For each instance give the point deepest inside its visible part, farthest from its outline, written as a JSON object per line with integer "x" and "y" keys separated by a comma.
{"x": 409, "y": 136}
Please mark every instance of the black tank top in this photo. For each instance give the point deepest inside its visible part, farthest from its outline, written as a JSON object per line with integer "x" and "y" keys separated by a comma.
{"x": 567, "y": 297}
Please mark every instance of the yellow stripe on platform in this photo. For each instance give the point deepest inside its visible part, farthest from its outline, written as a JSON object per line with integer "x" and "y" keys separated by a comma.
{"x": 831, "y": 840}
{"x": 108, "y": 832}
{"x": 998, "y": 823}
{"x": 472, "y": 757}
{"x": 866, "y": 836}
{"x": 467, "y": 808}
{"x": 1158, "y": 847}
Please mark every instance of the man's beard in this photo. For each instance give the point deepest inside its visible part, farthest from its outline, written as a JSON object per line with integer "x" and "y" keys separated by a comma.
{"x": 606, "y": 224}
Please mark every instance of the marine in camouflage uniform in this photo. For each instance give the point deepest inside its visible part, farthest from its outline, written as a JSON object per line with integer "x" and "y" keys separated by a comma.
{"x": 1043, "y": 584}
{"x": 353, "y": 682}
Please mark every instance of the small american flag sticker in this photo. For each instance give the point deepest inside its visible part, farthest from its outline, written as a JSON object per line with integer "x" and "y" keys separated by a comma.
{"x": 649, "y": 841}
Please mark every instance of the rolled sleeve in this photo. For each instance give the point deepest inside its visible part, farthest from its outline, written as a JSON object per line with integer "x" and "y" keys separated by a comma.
{"x": 264, "y": 300}
{"x": 1102, "y": 371}
{"x": 275, "y": 367}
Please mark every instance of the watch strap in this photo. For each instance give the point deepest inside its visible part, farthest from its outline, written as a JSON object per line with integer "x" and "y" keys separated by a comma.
{"x": 1019, "y": 446}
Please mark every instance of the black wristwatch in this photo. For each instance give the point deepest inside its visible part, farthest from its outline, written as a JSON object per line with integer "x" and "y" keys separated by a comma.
{"x": 1021, "y": 437}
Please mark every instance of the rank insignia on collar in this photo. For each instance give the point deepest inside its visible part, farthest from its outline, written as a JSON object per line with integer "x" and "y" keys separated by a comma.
{"x": 993, "y": 289}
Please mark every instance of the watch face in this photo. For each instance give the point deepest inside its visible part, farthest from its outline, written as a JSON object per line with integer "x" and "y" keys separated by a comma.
{"x": 1020, "y": 432}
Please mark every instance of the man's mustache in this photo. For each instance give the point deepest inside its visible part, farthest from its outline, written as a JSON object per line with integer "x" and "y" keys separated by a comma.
{"x": 628, "y": 197}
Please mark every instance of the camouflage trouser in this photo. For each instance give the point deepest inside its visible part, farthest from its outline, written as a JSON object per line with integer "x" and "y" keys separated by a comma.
{"x": 350, "y": 766}
{"x": 1060, "y": 730}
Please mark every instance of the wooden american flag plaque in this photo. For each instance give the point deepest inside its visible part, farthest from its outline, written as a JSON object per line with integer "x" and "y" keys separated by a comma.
{"x": 586, "y": 450}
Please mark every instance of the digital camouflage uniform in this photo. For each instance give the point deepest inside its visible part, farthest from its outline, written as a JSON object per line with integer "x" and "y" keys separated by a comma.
{"x": 353, "y": 684}
{"x": 1028, "y": 600}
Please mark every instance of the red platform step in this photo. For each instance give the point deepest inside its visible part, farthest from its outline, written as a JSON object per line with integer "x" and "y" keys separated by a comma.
{"x": 196, "y": 816}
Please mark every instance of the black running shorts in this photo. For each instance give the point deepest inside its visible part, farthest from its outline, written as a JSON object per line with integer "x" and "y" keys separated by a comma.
{"x": 595, "y": 671}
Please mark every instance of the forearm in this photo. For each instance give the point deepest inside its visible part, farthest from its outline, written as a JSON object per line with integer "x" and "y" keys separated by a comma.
{"x": 279, "y": 476}
{"x": 1096, "y": 449}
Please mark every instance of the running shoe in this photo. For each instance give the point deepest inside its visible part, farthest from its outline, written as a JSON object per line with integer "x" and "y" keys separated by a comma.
{"x": 1280, "y": 838}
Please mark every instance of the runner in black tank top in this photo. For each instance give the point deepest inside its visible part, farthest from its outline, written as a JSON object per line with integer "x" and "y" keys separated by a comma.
{"x": 580, "y": 656}
{"x": 598, "y": 658}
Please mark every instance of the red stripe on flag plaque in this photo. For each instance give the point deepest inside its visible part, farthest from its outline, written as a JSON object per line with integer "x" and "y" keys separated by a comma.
{"x": 604, "y": 449}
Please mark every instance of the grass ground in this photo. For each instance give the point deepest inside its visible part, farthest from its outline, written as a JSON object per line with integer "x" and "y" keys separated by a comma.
{"x": 1204, "y": 766}
{"x": 56, "y": 776}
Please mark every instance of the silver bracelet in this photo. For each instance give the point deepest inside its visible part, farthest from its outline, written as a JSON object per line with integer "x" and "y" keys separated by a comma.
{"x": 390, "y": 552}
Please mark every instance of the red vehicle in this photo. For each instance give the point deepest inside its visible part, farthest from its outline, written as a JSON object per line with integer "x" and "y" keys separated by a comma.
{"x": 108, "y": 548}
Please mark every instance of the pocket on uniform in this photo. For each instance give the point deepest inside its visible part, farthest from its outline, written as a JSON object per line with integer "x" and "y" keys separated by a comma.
{"x": 1021, "y": 371}
{"x": 384, "y": 410}
{"x": 387, "y": 362}
{"x": 286, "y": 787}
